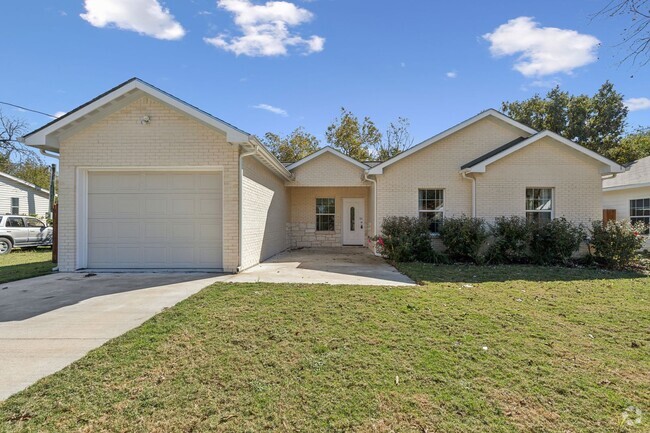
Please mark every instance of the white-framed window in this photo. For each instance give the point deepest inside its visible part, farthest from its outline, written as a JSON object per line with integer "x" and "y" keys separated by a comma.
{"x": 431, "y": 206}
{"x": 640, "y": 212}
{"x": 539, "y": 205}
{"x": 15, "y": 206}
{"x": 325, "y": 214}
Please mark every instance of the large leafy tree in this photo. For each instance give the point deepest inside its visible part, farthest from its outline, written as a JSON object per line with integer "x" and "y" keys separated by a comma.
{"x": 292, "y": 147}
{"x": 597, "y": 122}
{"x": 632, "y": 147}
{"x": 352, "y": 137}
{"x": 18, "y": 160}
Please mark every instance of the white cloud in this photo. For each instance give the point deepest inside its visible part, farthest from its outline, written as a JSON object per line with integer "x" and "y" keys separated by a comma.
{"x": 265, "y": 29}
{"x": 451, "y": 74}
{"x": 636, "y": 104}
{"x": 542, "y": 50}
{"x": 146, "y": 17}
{"x": 59, "y": 114}
{"x": 270, "y": 108}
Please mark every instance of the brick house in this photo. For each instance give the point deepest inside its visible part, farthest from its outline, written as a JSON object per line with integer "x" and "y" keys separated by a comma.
{"x": 148, "y": 181}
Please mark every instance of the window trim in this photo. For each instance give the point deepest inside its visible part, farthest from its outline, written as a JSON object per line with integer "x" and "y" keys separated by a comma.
{"x": 15, "y": 206}
{"x": 417, "y": 205}
{"x": 643, "y": 219}
{"x": 333, "y": 214}
{"x": 552, "y": 210}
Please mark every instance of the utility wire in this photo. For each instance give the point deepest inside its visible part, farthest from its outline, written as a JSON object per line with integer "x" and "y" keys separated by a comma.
{"x": 28, "y": 109}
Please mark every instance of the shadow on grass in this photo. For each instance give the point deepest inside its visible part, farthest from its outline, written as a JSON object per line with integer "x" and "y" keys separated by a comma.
{"x": 467, "y": 273}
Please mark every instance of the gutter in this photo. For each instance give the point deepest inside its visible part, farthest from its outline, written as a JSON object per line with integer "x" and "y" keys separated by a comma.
{"x": 49, "y": 154}
{"x": 374, "y": 211}
{"x": 473, "y": 179}
{"x": 242, "y": 155}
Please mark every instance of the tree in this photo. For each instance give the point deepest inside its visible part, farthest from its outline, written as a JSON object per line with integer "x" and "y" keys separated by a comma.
{"x": 353, "y": 138}
{"x": 632, "y": 147}
{"x": 17, "y": 159}
{"x": 293, "y": 147}
{"x": 396, "y": 140}
{"x": 597, "y": 122}
{"x": 637, "y": 34}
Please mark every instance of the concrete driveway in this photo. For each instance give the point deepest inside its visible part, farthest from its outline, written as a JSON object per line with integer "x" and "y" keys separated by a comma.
{"x": 48, "y": 322}
{"x": 342, "y": 265}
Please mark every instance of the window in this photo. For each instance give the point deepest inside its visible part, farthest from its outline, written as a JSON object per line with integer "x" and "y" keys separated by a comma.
{"x": 539, "y": 205}
{"x": 431, "y": 207}
{"x": 352, "y": 218}
{"x": 640, "y": 212}
{"x": 15, "y": 222}
{"x": 325, "y": 212}
{"x": 15, "y": 206}
{"x": 33, "y": 222}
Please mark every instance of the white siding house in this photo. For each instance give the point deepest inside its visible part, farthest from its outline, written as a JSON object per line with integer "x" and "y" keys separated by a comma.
{"x": 22, "y": 198}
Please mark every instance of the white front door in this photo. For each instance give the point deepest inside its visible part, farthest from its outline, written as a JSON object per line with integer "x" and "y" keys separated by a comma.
{"x": 354, "y": 221}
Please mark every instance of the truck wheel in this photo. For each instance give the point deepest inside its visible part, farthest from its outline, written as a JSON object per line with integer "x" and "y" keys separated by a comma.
{"x": 5, "y": 246}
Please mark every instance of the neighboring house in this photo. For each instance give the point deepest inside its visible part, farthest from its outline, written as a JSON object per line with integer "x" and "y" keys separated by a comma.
{"x": 19, "y": 197}
{"x": 149, "y": 181}
{"x": 626, "y": 196}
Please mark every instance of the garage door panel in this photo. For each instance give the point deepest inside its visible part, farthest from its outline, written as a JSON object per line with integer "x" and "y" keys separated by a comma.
{"x": 155, "y": 220}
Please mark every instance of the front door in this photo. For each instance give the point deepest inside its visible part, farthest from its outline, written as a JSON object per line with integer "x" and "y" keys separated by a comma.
{"x": 353, "y": 221}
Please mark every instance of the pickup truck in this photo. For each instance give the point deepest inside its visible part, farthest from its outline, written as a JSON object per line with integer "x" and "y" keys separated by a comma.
{"x": 18, "y": 231}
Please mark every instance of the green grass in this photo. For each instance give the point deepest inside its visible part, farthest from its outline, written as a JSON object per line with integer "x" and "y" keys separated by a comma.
{"x": 20, "y": 264}
{"x": 567, "y": 350}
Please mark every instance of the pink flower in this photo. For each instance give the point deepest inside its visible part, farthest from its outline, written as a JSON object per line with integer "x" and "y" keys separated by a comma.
{"x": 380, "y": 241}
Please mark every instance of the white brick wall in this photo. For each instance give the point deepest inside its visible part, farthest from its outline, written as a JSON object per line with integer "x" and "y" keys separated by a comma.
{"x": 265, "y": 213}
{"x": 170, "y": 139}
{"x": 328, "y": 170}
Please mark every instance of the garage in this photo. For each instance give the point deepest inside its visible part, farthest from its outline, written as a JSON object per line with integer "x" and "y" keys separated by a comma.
{"x": 155, "y": 220}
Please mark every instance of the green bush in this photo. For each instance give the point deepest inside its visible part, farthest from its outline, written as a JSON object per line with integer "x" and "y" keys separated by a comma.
{"x": 511, "y": 240}
{"x": 555, "y": 242}
{"x": 407, "y": 239}
{"x": 616, "y": 243}
{"x": 464, "y": 237}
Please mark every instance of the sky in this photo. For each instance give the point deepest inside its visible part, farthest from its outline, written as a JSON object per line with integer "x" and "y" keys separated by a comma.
{"x": 275, "y": 66}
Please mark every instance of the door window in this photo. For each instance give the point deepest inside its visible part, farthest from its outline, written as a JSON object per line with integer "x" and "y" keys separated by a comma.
{"x": 15, "y": 222}
{"x": 33, "y": 222}
{"x": 352, "y": 218}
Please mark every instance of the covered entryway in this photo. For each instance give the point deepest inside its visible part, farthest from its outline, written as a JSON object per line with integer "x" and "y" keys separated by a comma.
{"x": 155, "y": 220}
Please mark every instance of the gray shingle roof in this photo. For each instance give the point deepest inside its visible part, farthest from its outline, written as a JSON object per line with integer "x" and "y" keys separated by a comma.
{"x": 638, "y": 173}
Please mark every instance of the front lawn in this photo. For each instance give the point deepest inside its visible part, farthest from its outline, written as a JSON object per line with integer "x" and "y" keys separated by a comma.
{"x": 20, "y": 264}
{"x": 473, "y": 349}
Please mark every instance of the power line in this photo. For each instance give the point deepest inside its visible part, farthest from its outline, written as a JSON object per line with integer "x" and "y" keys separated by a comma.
{"x": 28, "y": 109}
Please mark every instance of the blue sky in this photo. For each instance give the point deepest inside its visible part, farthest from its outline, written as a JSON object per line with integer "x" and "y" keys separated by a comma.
{"x": 427, "y": 61}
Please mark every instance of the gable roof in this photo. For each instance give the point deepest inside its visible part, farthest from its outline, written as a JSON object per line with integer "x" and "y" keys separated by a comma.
{"x": 47, "y": 136}
{"x": 637, "y": 175}
{"x": 480, "y": 164}
{"x": 493, "y": 152}
{"x": 331, "y": 150}
{"x": 24, "y": 183}
{"x": 379, "y": 169}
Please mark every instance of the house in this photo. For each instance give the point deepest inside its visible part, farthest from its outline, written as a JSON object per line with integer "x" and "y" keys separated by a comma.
{"x": 148, "y": 181}
{"x": 626, "y": 196}
{"x": 18, "y": 197}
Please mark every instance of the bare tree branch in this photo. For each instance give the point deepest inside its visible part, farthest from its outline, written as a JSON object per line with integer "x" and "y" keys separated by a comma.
{"x": 637, "y": 35}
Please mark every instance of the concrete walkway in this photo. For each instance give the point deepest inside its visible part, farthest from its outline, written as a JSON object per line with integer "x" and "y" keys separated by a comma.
{"x": 46, "y": 323}
{"x": 343, "y": 265}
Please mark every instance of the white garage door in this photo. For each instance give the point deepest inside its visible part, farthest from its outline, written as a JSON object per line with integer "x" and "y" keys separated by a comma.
{"x": 155, "y": 220}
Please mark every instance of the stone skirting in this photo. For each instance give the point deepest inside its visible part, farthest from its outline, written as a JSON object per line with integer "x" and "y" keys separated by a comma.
{"x": 303, "y": 235}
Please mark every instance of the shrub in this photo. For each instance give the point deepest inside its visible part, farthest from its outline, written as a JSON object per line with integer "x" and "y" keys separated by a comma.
{"x": 616, "y": 242}
{"x": 555, "y": 242}
{"x": 406, "y": 239}
{"x": 464, "y": 237}
{"x": 511, "y": 243}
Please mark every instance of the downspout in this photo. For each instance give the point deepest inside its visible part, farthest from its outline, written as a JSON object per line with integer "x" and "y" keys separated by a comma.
{"x": 374, "y": 209}
{"x": 465, "y": 176}
{"x": 242, "y": 155}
